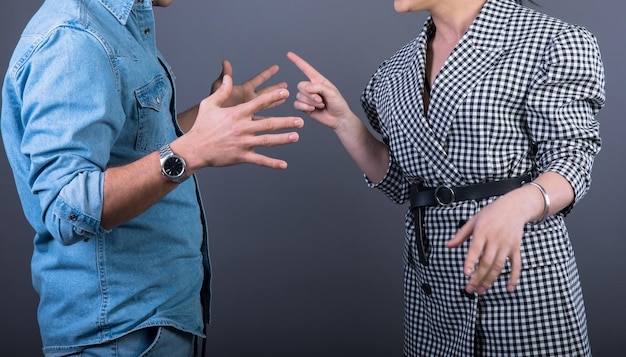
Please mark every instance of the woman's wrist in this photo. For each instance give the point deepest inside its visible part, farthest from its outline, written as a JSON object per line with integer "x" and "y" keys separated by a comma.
{"x": 546, "y": 200}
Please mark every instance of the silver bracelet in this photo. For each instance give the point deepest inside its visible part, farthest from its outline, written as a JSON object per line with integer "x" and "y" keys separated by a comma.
{"x": 546, "y": 200}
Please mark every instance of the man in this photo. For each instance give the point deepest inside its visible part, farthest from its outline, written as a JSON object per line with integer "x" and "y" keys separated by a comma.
{"x": 104, "y": 168}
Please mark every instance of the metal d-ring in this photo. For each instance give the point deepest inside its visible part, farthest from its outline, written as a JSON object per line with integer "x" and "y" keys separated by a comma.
{"x": 439, "y": 200}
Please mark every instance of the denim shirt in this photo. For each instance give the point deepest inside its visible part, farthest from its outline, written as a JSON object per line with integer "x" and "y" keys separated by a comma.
{"x": 86, "y": 90}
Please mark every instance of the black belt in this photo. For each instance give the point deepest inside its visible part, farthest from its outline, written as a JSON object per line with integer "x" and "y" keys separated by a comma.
{"x": 446, "y": 195}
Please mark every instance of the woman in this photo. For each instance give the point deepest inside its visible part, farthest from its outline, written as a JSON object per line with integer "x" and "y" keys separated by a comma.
{"x": 488, "y": 130}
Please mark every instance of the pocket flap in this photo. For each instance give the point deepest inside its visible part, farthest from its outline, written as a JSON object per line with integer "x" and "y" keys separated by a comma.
{"x": 152, "y": 95}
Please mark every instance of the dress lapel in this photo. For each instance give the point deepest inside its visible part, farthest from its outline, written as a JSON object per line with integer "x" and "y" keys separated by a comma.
{"x": 474, "y": 56}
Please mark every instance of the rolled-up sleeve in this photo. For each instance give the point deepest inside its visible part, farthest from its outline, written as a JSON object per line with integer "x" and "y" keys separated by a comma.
{"x": 393, "y": 185}
{"x": 71, "y": 119}
{"x": 565, "y": 97}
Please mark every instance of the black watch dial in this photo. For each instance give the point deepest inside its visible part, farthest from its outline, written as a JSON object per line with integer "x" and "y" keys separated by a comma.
{"x": 173, "y": 166}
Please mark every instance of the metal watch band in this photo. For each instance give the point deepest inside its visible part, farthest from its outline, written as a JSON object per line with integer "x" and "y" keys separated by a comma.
{"x": 165, "y": 152}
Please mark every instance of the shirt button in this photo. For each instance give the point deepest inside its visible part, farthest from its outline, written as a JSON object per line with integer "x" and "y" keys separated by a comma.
{"x": 467, "y": 295}
{"x": 146, "y": 31}
{"x": 158, "y": 100}
{"x": 73, "y": 217}
{"x": 427, "y": 289}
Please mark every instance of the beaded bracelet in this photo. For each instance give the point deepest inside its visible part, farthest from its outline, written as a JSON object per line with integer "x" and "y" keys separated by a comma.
{"x": 546, "y": 199}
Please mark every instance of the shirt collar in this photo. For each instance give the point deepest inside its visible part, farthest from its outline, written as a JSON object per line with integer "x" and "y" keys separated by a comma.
{"x": 119, "y": 8}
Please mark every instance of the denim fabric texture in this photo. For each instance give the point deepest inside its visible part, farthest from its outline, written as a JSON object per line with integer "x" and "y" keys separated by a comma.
{"x": 86, "y": 89}
{"x": 147, "y": 342}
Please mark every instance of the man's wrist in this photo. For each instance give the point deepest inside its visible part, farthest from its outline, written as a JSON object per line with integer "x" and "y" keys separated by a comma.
{"x": 173, "y": 166}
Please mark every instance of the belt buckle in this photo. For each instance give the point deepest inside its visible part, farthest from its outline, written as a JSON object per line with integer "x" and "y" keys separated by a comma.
{"x": 442, "y": 200}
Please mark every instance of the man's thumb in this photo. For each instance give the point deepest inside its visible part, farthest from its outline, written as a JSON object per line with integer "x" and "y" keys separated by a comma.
{"x": 223, "y": 92}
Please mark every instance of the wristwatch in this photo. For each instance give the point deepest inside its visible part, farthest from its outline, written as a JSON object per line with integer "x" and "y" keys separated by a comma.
{"x": 172, "y": 166}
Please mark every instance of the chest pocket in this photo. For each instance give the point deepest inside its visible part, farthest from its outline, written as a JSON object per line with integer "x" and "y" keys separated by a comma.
{"x": 154, "y": 127}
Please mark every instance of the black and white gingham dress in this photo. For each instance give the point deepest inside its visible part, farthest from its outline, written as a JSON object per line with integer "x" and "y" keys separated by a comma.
{"x": 518, "y": 94}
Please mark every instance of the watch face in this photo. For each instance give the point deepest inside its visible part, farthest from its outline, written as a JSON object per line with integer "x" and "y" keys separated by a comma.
{"x": 173, "y": 166}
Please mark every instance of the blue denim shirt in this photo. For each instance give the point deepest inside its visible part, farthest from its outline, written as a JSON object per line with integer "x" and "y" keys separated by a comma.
{"x": 86, "y": 89}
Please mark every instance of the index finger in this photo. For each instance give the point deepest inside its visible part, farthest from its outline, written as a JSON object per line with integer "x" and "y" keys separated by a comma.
{"x": 306, "y": 68}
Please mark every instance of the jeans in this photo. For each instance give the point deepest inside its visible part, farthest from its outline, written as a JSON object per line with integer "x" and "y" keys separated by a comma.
{"x": 147, "y": 342}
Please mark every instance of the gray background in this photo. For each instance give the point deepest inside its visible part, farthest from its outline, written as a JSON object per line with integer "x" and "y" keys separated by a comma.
{"x": 307, "y": 262}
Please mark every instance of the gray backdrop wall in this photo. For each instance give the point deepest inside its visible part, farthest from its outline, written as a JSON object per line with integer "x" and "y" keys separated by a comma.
{"x": 307, "y": 262}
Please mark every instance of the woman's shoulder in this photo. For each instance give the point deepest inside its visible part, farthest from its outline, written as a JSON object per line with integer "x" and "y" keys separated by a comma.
{"x": 403, "y": 59}
{"x": 530, "y": 23}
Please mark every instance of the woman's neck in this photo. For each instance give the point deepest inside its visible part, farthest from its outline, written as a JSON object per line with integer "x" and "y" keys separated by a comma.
{"x": 453, "y": 18}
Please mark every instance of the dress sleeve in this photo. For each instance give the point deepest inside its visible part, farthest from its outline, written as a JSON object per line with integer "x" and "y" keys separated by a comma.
{"x": 566, "y": 95}
{"x": 393, "y": 185}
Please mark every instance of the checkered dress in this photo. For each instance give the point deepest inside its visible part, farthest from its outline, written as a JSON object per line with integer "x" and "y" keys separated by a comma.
{"x": 518, "y": 94}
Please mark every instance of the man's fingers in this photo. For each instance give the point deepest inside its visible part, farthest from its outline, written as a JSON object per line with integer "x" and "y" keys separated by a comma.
{"x": 269, "y": 140}
{"x": 222, "y": 93}
{"x": 265, "y": 101}
{"x": 262, "y": 160}
{"x": 227, "y": 68}
{"x": 263, "y": 76}
{"x": 273, "y": 87}
{"x": 271, "y": 124}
